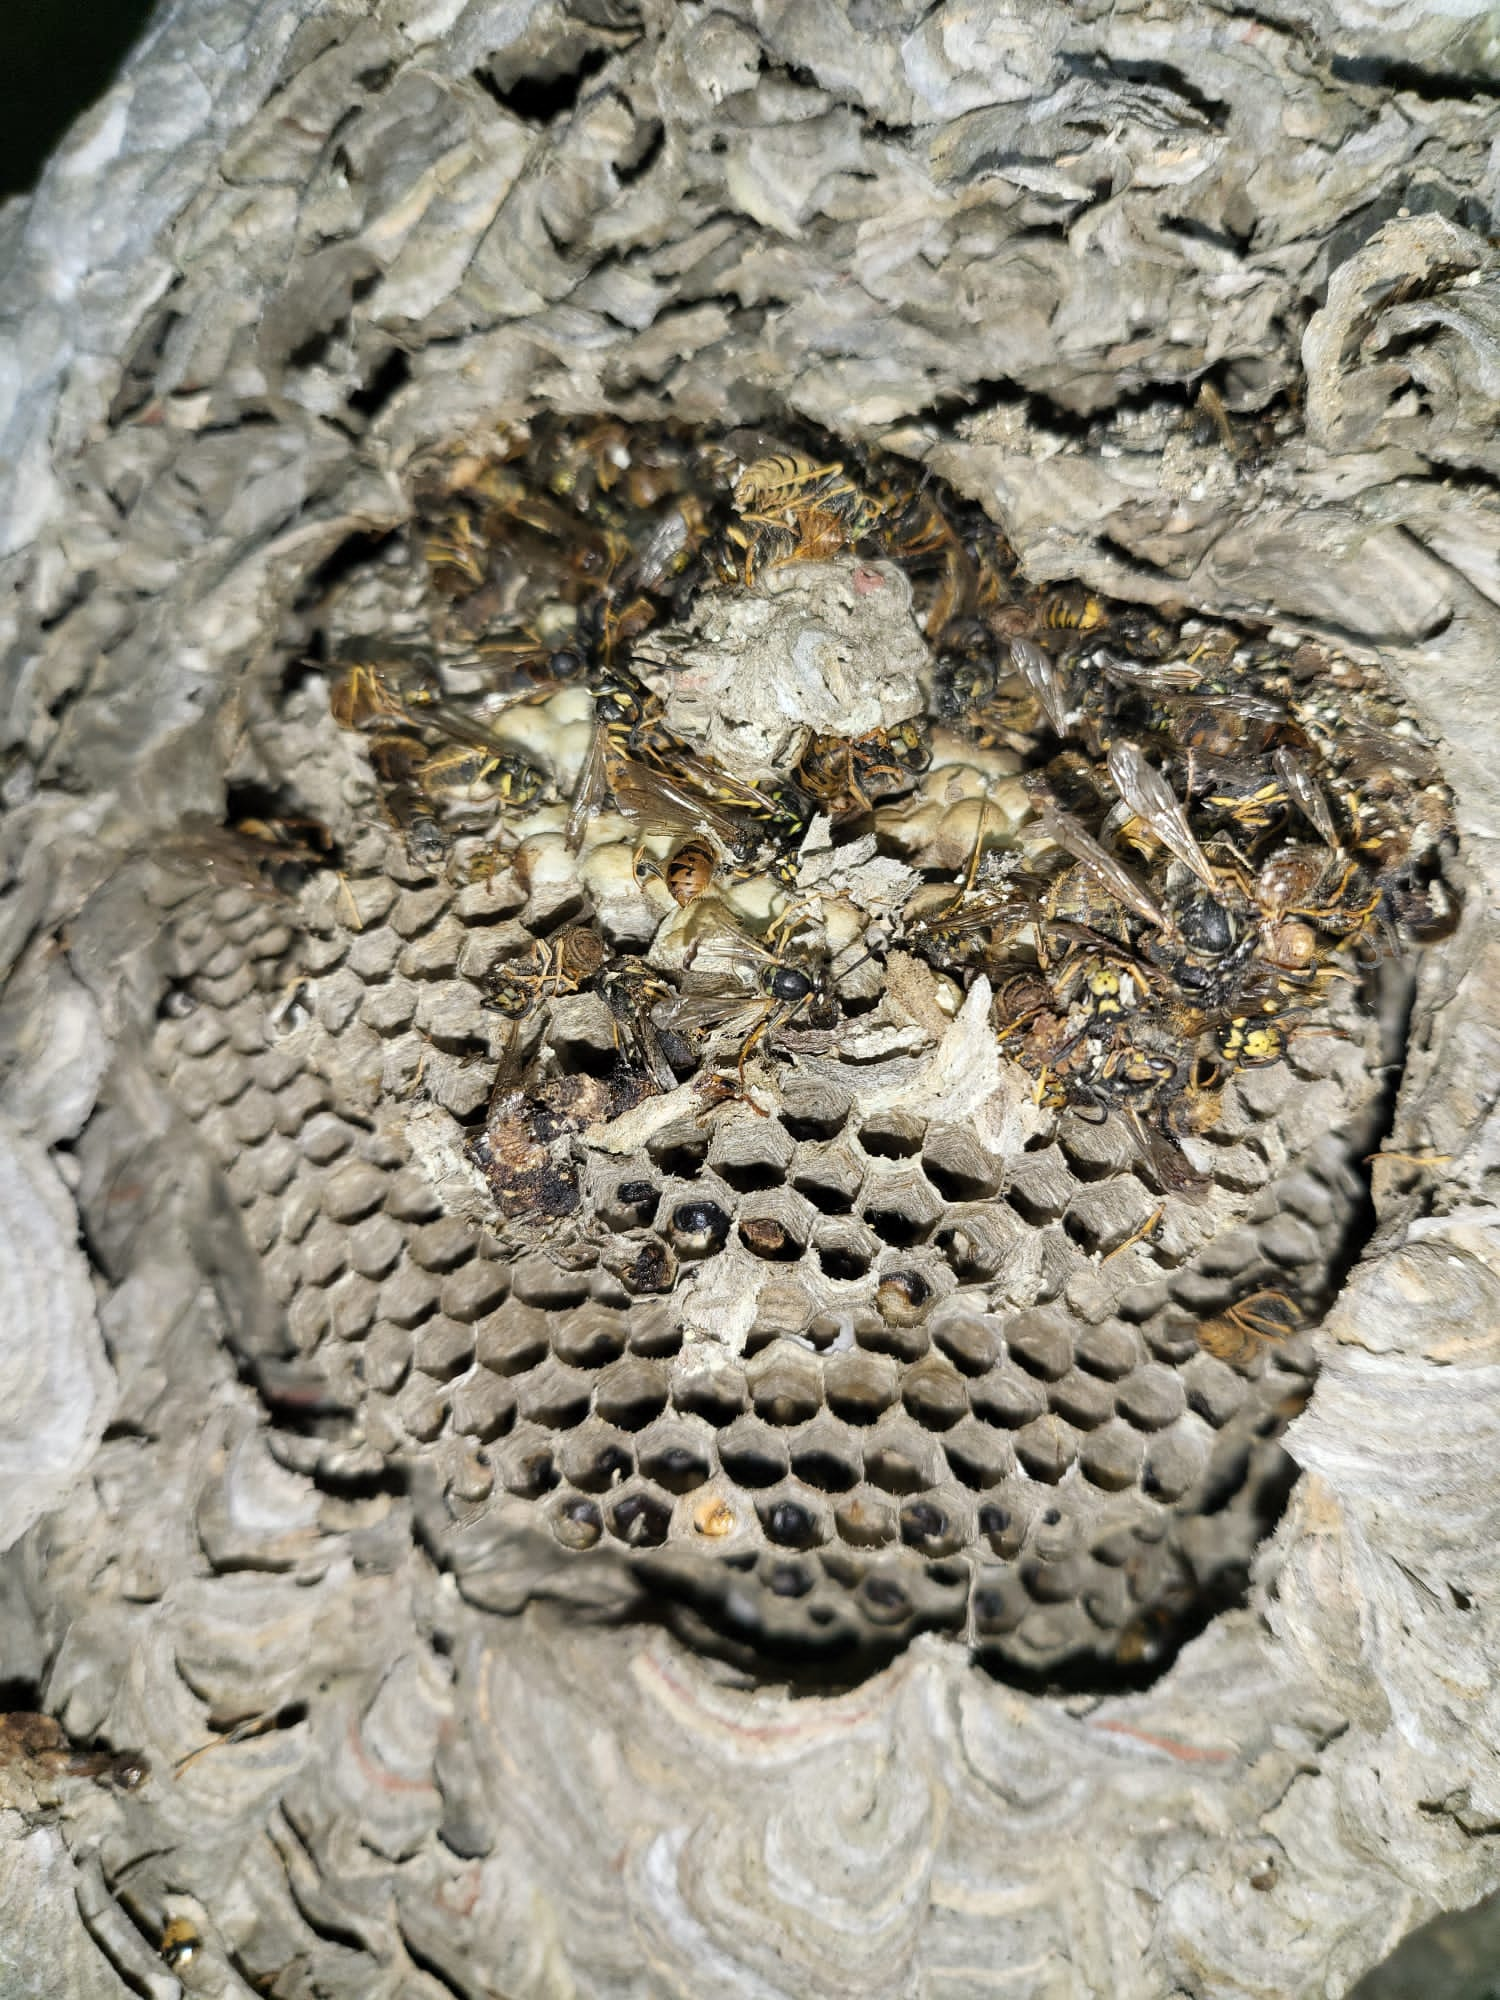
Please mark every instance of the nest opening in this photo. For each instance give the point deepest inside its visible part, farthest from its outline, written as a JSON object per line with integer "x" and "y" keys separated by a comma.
{"x": 880, "y": 1019}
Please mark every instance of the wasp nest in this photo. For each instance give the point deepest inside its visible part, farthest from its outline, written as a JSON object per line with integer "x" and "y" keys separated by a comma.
{"x": 835, "y": 1074}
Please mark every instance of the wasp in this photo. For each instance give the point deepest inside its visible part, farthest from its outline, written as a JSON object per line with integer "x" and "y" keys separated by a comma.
{"x": 1232, "y": 725}
{"x": 180, "y": 1943}
{"x": 416, "y": 782}
{"x": 689, "y": 871}
{"x": 792, "y": 508}
{"x": 1107, "y": 870}
{"x": 846, "y": 775}
{"x": 632, "y": 995}
{"x": 521, "y": 661}
{"x": 1328, "y": 890}
{"x": 1248, "y": 1043}
{"x": 39, "y": 1741}
{"x": 953, "y": 928}
{"x": 1149, "y": 799}
{"x": 456, "y": 554}
{"x": 377, "y": 687}
{"x": 917, "y": 533}
{"x": 736, "y": 984}
{"x": 398, "y": 760}
{"x": 1244, "y": 1330}
{"x": 1051, "y": 686}
{"x": 553, "y": 966}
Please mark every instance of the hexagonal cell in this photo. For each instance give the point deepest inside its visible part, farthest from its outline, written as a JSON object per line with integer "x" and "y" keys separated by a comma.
{"x": 630, "y": 1392}
{"x": 866, "y": 1520}
{"x": 576, "y": 1521}
{"x": 977, "y": 1240}
{"x": 1109, "y": 1350}
{"x": 844, "y": 1249}
{"x": 970, "y": 1340}
{"x": 783, "y": 1306}
{"x": 675, "y": 1454}
{"x": 1174, "y": 1463}
{"x": 540, "y": 1280}
{"x": 750, "y": 1153}
{"x": 1105, "y": 1216}
{"x": 474, "y": 1288}
{"x": 901, "y": 1459}
{"x": 859, "y": 1387}
{"x": 935, "y": 1527}
{"x": 978, "y": 1456}
{"x": 1046, "y": 1448}
{"x": 554, "y": 1396}
{"x": 958, "y": 1166}
{"x": 654, "y": 1330}
{"x": 1041, "y": 1342}
{"x": 1094, "y": 1150}
{"x": 483, "y": 1406}
{"x": 513, "y": 1338}
{"x": 999, "y": 1604}
{"x": 639, "y": 1516}
{"x": 826, "y": 1456}
{"x": 885, "y": 1597}
{"x": 786, "y": 1385}
{"x": 830, "y": 1176}
{"x": 596, "y": 1458}
{"x": 713, "y": 1389}
{"x": 892, "y": 1135}
{"x": 590, "y": 1335}
{"x": 631, "y": 1203}
{"x": 698, "y": 1227}
{"x": 443, "y": 1348}
{"x": 900, "y": 1206}
{"x": 812, "y": 1106}
{"x": 1041, "y": 1186}
{"x": 935, "y": 1394}
{"x": 795, "y": 1518}
{"x": 1082, "y": 1400}
{"x": 1150, "y": 1398}
{"x": 1213, "y": 1390}
{"x": 752, "y": 1454}
{"x": 1007, "y": 1399}
{"x": 906, "y": 1292}
{"x": 680, "y": 1148}
{"x": 1058, "y": 1582}
{"x": 526, "y": 1465}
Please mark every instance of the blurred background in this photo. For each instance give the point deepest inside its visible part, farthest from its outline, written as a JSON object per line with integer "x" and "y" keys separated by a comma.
{"x": 59, "y": 56}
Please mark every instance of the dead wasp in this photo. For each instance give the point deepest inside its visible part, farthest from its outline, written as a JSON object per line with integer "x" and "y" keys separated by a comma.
{"x": 39, "y": 1741}
{"x": 1052, "y": 687}
{"x": 736, "y": 984}
{"x": 791, "y": 508}
{"x": 688, "y": 872}
{"x": 1148, "y": 798}
{"x": 1295, "y": 773}
{"x": 1111, "y": 874}
{"x": 553, "y": 966}
{"x": 520, "y": 661}
{"x": 914, "y": 530}
{"x": 632, "y": 994}
{"x": 954, "y": 928}
{"x": 456, "y": 553}
{"x": 376, "y": 687}
{"x": 1244, "y": 1330}
{"x": 1231, "y": 725}
{"x": 846, "y": 775}
{"x": 1329, "y": 890}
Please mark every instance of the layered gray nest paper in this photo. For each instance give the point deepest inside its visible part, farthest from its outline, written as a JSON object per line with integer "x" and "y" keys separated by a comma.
{"x": 295, "y": 245}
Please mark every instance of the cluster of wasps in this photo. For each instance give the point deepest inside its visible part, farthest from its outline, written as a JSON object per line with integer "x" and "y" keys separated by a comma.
{"x": 1221, "y": 831}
